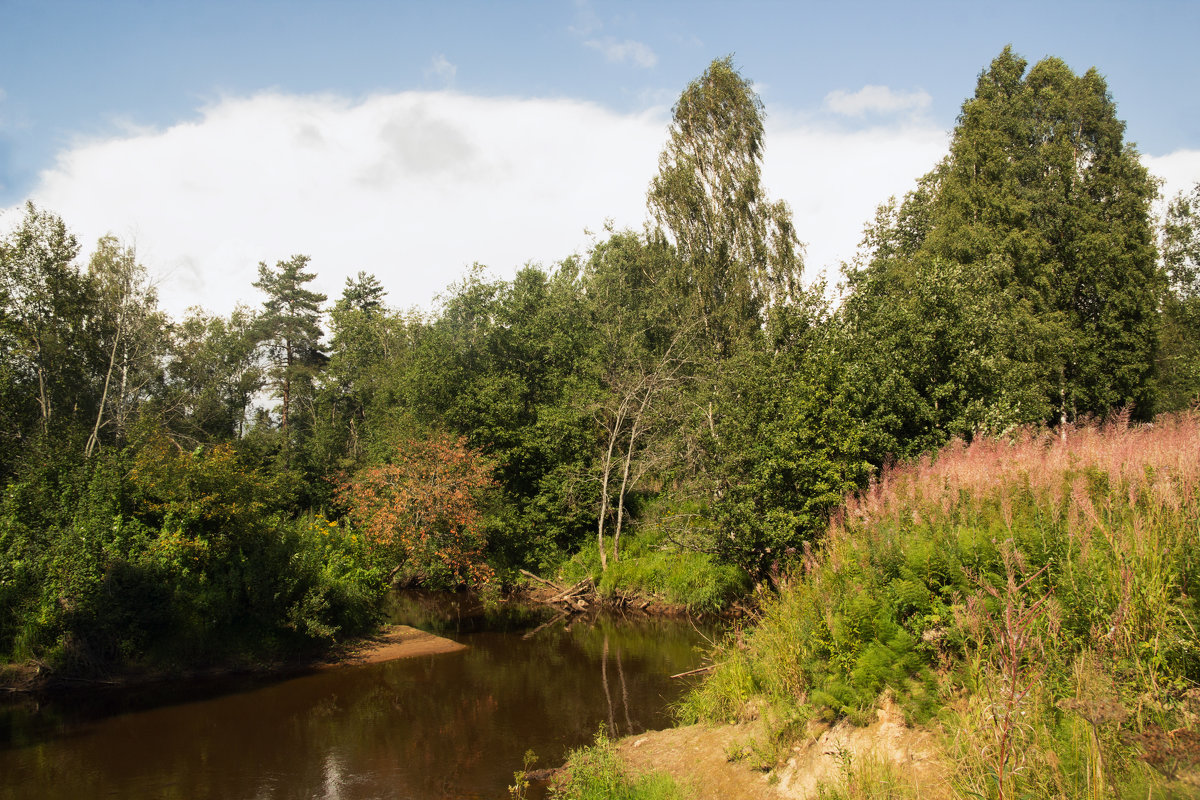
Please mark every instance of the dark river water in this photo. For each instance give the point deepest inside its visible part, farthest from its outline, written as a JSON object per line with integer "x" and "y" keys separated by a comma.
{"x": 441, "y": 726}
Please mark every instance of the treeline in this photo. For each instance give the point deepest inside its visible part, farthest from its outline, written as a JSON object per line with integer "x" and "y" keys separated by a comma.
{"x": 678, "y": 387}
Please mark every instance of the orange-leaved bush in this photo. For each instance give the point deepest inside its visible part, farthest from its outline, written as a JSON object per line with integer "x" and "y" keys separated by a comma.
{"x": 422, "y": 509}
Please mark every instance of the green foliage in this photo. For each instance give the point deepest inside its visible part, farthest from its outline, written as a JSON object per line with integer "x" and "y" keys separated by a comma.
{"x": 789, "y": 447}
{"x": 737, "y": 251}
{"x": 1179, "y": 345}
{"x": 167, "y": 555}
{"x": 501, "y": 366}
{"x": 1018, "y": 282}
{"x": 596, "y": 773}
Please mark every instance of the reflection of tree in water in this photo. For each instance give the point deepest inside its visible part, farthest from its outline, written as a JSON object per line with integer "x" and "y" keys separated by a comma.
{"x": 612, "y": 724}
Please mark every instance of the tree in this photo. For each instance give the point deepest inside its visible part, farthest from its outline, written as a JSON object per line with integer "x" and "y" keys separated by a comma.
{"x": 290, "y": 327}
{"x": 214, "y": 373}
{"x": 421, "y": 508}
{"x": 363, "y": 340}
{"x": 643, "y": 353}
{"x": 794, "y": 443}
{"x": 47, "y": 309}
{"x": 1040, "y": 176}
{"x": 1178, "y": 368}
{"x": 130, "y": 330}
{"x": 1017, "y": 283}
{"x": 738, "y": 252}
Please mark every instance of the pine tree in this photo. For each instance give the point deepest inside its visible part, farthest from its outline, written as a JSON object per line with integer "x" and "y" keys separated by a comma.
{"x": 290, "y": 328}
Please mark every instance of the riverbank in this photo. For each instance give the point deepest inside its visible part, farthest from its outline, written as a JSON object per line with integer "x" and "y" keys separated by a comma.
{"x": 745, "y": 760}
{"x": 392, "y": 642}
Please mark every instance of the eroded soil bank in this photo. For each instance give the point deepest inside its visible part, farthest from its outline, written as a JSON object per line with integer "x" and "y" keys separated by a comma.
{"x": 718, "y": 762}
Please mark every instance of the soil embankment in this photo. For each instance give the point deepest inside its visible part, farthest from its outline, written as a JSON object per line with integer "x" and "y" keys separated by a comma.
{"x": 717, "y": 762}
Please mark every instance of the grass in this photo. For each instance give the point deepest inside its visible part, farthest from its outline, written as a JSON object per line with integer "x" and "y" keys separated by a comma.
{"x": 596, "y": 773}
{"x": 1034, "y": 596}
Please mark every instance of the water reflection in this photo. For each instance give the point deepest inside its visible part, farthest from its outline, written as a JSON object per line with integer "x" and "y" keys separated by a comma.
{"x": 450, "y": 725}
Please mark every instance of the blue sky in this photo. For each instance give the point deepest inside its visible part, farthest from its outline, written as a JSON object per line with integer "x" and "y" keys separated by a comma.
{"x": 413, "y": 139}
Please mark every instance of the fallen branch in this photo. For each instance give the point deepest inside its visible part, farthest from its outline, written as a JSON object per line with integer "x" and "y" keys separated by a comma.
{"x": 568, "y": 594}
{"x": 697, "y": 671}
{"x": 551, "y": 584}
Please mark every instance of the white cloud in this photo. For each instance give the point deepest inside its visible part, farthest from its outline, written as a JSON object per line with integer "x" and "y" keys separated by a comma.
{"x": 1179, "y": 171}
{"x": 634, "y": 52}
{"x": 441, "y": 69}
{"x": 414, "y": 187}
{"x": 876, "y": 100}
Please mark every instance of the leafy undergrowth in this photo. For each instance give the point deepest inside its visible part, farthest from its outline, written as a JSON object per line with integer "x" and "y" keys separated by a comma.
{"x": 651, "y": 569}
{"x": 597, "y": 773}
{"x": 1035, "y": 596}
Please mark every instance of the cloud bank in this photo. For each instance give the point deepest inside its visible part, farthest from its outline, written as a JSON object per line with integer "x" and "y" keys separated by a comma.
{"x": 417, "y": 186}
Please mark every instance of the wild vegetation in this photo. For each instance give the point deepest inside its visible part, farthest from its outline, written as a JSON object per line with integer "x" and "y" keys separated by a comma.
{"x": 1034, "y": 594}
{"x": 673, "y": 412}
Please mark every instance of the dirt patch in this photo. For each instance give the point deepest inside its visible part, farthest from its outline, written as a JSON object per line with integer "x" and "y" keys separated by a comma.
{"x": 697, "y": 757}
{"x": 914, "y": 751}
{"x": 394, "y": 642}
{"x": 721, "y": 762}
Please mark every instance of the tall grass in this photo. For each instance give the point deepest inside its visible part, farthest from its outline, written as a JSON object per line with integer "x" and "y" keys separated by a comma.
{"x": 1036, "y": 594}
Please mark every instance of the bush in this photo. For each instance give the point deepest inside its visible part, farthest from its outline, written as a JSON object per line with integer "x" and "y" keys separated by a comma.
{"x": 166, "y": 555}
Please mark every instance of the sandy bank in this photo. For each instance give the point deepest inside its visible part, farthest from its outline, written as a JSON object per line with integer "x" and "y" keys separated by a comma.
{"x": 392, "y": 643}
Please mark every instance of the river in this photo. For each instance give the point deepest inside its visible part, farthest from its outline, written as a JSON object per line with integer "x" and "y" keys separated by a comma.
{"x": 453, "y": 725}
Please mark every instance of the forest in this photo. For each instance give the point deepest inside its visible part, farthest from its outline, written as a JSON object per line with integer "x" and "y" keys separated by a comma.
{"x": 675, "y": 412}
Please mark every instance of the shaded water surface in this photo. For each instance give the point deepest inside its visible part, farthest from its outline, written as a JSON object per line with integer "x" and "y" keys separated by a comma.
{"x": 448, "y": 725}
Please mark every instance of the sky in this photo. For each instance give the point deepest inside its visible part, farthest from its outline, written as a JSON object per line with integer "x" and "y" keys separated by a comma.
{"x": 411, "y": 140}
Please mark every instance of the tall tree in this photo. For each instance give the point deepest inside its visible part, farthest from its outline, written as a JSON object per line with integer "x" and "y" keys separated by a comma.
{"x": 130, "y": 331}
{"x": 290, "y": 328}
{"x": 48, "y": 305}
{"x": 364, "y": 336}
{"x": 1040, "y": 176}
{"x": 1018, "y": 282}
{"x": 642, "y": 354}
{"x": 738, "y": 251}
{"x": 214, "y": 373}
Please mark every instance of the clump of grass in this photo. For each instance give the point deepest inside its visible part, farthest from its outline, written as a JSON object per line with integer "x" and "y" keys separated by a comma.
{"x": 995, "y": 586}
{"x": 596, "y": 773}
{"x": 870, "y": 777}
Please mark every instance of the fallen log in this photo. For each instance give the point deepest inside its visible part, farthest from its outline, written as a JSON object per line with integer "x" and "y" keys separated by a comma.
{"x": 539, "y": 579}
{"x": 567, "y": 594}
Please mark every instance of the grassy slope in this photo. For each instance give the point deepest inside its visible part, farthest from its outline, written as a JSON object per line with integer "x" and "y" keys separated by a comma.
{"x": 1035, "y": 598}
